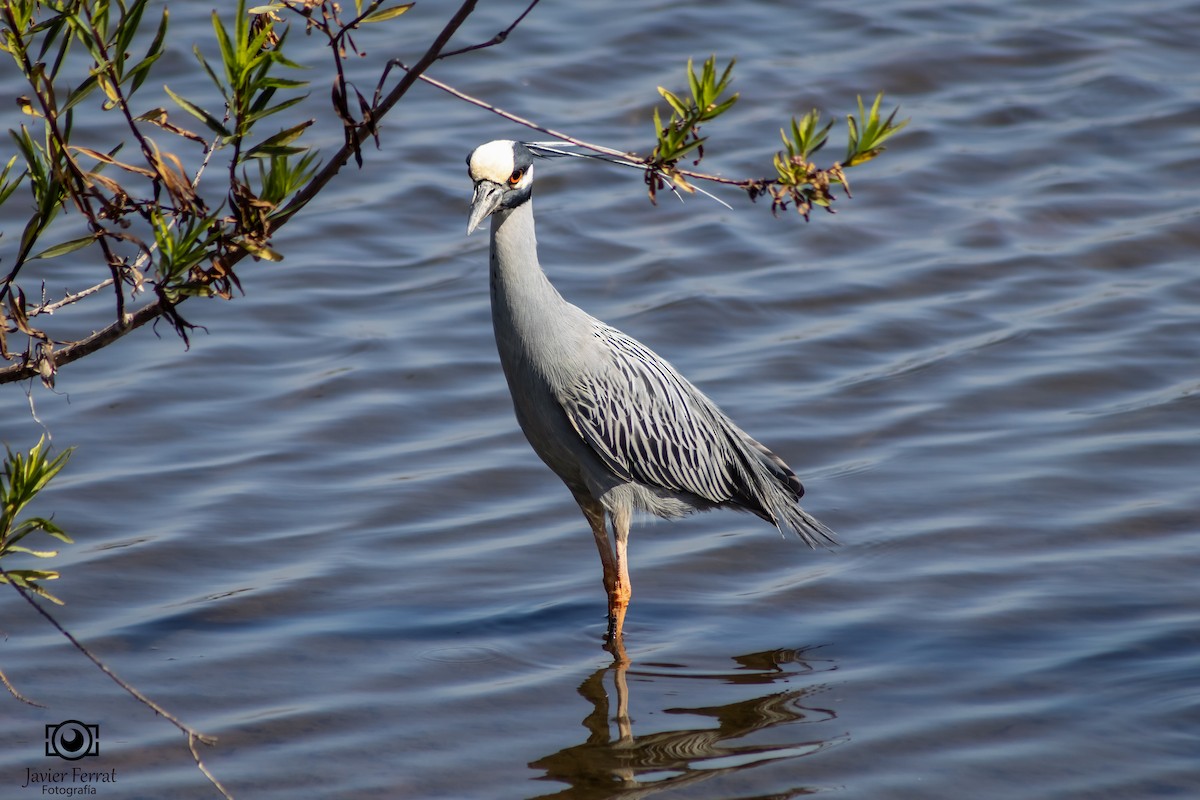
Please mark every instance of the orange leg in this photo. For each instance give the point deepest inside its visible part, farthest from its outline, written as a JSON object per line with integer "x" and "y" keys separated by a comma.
{"x": 613, "y": 560}
{"x": 618, "y": 599}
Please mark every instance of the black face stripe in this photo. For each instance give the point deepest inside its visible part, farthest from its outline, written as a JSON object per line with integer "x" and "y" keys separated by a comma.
{"x": 514, "y": 197}
{"x": 522, "y": 158}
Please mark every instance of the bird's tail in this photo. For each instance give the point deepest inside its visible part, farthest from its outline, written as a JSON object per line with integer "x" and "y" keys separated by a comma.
{"x": 782, "y": 501}
{"x": 814, "y": 532}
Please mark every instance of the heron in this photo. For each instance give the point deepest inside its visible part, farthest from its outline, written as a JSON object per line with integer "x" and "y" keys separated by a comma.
{"x": 624, "y": 430}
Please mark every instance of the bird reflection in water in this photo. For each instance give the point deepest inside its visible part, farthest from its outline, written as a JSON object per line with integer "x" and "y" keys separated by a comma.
{"x": 615, "y": 762}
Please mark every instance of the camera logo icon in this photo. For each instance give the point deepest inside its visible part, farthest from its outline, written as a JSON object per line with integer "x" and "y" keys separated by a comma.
{"x": 72, "y": 740}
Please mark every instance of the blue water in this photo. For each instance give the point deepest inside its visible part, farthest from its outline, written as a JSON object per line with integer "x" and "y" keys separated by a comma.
{"x": 318, "y": 534}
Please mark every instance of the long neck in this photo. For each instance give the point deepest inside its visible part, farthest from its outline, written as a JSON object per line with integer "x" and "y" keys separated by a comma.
{"x": 535, "y": 327}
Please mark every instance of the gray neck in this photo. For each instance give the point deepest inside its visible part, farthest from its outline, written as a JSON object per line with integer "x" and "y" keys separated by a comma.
{"x": 535, "y": 327}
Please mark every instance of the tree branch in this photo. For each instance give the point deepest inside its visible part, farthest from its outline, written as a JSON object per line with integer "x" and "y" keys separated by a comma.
{"x": 159, "y": 307}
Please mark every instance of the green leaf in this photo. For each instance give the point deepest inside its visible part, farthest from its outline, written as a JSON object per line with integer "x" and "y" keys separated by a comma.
{"x": 26, "y": 575}
{"x": 261, "y": 251}
{"x": 241, "y": 25}
{"x": 141, "y": 70}
{"x": 128, "y": 26}
{"x": 384, "y": 14}
{"x": 255, "y": 117}
{"x": 27, "y": 579}
{"x": 866, "y": 140}
{"x": 214, "y": 124}
{"x": 67, "y": 247}
{"x": 271, "y": 150}
{"x": 42, "y": 524}
{"x": 272, "y": 82}
{"x": 211, "y": 72}
{"x": 28, "y": 552}
{"x": 228, "y": 56}
{"x": 79, "y": 93}
{"x": 673, "y": 100}
{"x": 7, "y": 187}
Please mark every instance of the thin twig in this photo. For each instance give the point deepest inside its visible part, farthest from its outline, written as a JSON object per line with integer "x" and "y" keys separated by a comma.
{"x": 604, "y": 153}
{"x": 553, "y": 149}
{"x": 50, "y": 308}
{"x": 499, "y": 38}
{"x": 153, "y": 706}
{"x": 511, "y": 117}
{"x": 193, "y": 735}
{"x": 192, "y": 739}
{"x": 596, "y": 148}
{"x": 13, "y": 691}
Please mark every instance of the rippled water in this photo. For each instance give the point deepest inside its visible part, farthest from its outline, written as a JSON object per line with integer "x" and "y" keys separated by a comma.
{"x": 320, "y": 536}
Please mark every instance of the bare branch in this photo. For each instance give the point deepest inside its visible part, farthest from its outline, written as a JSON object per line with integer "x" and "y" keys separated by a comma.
{"x": 499, "y": 38}
{"x": 50, "y": 308}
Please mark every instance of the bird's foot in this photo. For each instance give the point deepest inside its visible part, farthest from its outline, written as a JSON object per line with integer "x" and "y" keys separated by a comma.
{"x": 617, "y": 606}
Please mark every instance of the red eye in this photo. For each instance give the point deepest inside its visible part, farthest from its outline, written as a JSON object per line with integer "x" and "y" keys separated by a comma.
{"x": 515, "y": 178}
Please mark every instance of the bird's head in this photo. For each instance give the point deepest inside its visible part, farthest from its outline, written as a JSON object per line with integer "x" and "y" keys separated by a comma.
{"x": 503, "y": 174}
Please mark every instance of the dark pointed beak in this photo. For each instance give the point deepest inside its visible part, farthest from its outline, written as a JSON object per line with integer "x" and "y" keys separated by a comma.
{"x": 487, "y": 199}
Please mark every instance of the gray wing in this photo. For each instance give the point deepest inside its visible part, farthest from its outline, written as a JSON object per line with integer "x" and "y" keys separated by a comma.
{"x": 647, "y": 423}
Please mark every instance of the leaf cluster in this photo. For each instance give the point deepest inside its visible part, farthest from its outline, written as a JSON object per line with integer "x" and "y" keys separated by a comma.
{"x": 799, "y": 181}
{"x": 680, "y": 137}
{"x": 134, "y": 205}
{"x": 23, "y": 476}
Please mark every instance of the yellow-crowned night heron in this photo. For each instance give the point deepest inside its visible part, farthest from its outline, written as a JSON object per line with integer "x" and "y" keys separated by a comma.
{"x": 622, "y": 428}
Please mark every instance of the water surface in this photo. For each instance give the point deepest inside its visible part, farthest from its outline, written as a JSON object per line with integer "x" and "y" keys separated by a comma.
{"x": 319, "y": 535}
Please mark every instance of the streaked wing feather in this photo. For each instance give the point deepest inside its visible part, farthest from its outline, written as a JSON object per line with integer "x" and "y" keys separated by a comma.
{"x": 648, "y": 423}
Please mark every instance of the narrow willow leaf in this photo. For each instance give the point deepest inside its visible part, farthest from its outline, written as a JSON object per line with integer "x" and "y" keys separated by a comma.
{"x": 272, "y": 150}
{"x": 261, "y": 251}
{"x": 29, "y": 552}
{"x": 721, "y": 108}
{"x": 141, "y": 70}
{"x": 281, "y": 83}
{"x": 214, "y": 124}
{"x": 79, "y": 93}
{"x": 26, "y": 575}
{"x": 255, "y": 117}
{"x": 228, "y": 56}
{"x": 7, "y": 187}
{"x": 695, "y": 84}
{"x": 211, "y": 72}
{"x": 385, "y": 14}
{"x": 66, "y": 247}
{"x": 674, "y": 101}
{"x": 287, "y": 136}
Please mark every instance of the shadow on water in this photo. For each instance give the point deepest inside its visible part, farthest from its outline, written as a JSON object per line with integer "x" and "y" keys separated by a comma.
{"x": 616, "y": 762}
